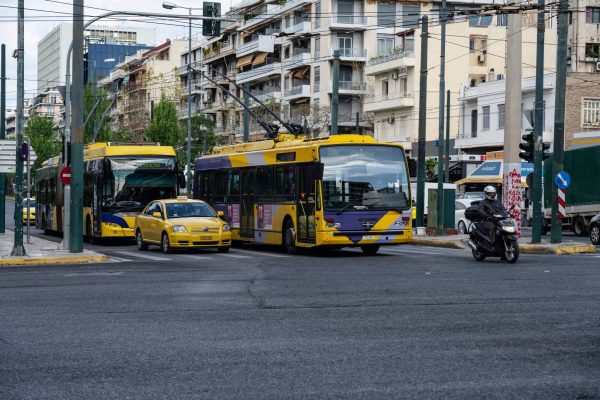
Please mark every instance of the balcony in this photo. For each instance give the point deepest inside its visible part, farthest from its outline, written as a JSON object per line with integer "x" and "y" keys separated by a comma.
{"x": 301, "y": 27}
{"x": 271, "y": 11}
{"x": 247, "y": 48}
{"x": 298, "y": 60}
{"x": 389, "y": 102}
{"x": 351, "y": 54}
{"x": 350, "y": 87}
{"x": 260, "y": 72}
{"x": 348, "y": 21}
{"x": 225, "y": 48}
{"x": 297, "y": 92}
{"x": 389, "y": 62}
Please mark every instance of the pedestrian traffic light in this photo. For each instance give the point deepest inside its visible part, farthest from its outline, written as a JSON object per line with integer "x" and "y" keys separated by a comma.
{"x": 211, "y": 27}
{"x": 527, "y": 147}
{"x": 545, "y": 148}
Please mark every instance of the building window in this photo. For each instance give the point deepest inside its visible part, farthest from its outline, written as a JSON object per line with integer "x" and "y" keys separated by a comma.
{"x": 486, "y": 118}
{"x": 591, "y": 112}
{"x": 500, "y": 116}
{"x": 592, "y": 50}
{"x": 384, "y": 88}
{"x": 345, "y": 44}
{"x": 385, "y": 44}
{"x": 317, "y": 47}
{"x": 474, "y": 123}
{"x": 386, "y": 13}
{"x": 592, "y": 15}
{"x": 404, "y": 86}
{"x": 410, "y": 15}
{"x": 471, "y": 45}
{"x": 502, "y": 20}
{"x": 317, "y": 75}
{"x": 317, "y": 15}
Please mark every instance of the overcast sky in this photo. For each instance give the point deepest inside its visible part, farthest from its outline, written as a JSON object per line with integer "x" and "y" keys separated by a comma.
{"x": 41, "y": 16}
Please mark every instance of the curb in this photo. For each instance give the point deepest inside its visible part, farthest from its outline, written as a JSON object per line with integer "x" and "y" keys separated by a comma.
{"x": 21, "y": 261}
{"x": 549, "y": 249}
{"x": 448, "y": 244}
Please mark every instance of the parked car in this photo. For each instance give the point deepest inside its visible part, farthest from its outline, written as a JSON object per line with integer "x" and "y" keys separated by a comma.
{"x": 595, "y": 230}
{"x": 470, "y": 196}
{"x": 460, "y": 221}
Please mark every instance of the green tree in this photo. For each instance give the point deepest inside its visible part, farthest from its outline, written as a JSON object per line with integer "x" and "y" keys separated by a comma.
{"x": 430, "y": 164}
{"x": 202, "y": 126}
{"x": 164, "y": 126}
{"x": 42, "y": 136}
{"x": 95, "y": 99}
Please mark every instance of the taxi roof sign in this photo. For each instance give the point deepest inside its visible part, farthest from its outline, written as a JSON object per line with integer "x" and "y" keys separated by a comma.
{"x": 182, "y": 197}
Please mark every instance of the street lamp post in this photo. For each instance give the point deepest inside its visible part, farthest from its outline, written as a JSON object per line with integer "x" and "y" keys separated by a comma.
{"x": 188, "y": 185}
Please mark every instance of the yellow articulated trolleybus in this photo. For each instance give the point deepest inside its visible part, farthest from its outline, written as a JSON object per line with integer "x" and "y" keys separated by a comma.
{"x": 337, "y": 191}
{"x": 119, "y": 180}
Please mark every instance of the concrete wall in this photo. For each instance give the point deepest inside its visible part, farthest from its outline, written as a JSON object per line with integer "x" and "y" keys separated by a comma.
{"x": 579, "y": 86}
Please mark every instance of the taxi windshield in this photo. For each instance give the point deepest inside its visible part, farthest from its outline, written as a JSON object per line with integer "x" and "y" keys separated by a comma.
{"x": 187, "y": 210}
{"x": 30, "y": 203}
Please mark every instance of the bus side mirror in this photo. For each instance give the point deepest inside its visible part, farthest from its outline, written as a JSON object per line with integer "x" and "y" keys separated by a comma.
{"x": 319, "y": 171}
{"x": 181, "y": 179}
{"x": 412, "y": 167}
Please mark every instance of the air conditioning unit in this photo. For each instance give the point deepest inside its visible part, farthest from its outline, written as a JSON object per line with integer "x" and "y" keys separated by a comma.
{"x": 395, "y": 76}
{"x": 597, "y": 65}
{"x": 481, "y": 58}
{"x": 391, "y": 119}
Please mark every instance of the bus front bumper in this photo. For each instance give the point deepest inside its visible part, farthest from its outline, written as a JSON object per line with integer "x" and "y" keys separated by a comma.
{"x": 360, "y": 238}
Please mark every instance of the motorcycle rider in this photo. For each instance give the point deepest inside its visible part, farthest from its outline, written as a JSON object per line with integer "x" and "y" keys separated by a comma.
{"x": 490, "y": 206}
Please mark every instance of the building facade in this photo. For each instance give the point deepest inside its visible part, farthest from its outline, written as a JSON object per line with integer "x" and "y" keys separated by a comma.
{"x": 481, "y": 114}
{"x": 100, "y": 58}
{"x": 52, "y": 48}
{"x": 49, "y": 104}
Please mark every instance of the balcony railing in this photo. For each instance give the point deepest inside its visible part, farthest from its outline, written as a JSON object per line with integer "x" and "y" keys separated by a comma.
{"x": 353, "y": 86}
{"x": 351, "y": 52}
{"x": 254, "y": 73}
{"x": 299, "y": 58}
{"x": 348, "y": 19}
{"x": 389, "y": 96}
{"x": 390, "y": 57}
{"x": 215, "y": 51}
{"x": 298, "y": 90}
{"x": 299, "y": 27}
{"x": 246, "y": 47}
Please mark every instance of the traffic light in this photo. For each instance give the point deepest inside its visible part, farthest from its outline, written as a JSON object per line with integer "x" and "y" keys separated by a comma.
{"x": 211, "y": 27}
{"x": 527, "y": 147}
{"x": 545, "y": 148}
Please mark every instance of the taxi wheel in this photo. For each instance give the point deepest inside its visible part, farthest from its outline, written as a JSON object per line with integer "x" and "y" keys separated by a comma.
{"x": 223, "y": 249}
{"x": 139, "y": 241}
{"x": 165, "y": 246}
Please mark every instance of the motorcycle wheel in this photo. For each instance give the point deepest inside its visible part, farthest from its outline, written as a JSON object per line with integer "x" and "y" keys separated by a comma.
{"x": 478, "y": 256}
{"x": 512, "y": 253}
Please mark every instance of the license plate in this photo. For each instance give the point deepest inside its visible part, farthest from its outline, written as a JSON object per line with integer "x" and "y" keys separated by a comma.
{"x": 205, "y": 237}
{"x": 370, "y": 237}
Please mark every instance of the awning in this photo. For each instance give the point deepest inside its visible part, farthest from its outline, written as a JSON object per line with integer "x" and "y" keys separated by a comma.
{"x": 301, "y": 73}
{"x": 491, "y": 172}
{"x": 259, "y": 59}
{"x": 244, "y": 61}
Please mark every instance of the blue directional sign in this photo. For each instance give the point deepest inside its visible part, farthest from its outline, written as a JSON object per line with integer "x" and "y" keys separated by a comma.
{"x": 562, "y": 180}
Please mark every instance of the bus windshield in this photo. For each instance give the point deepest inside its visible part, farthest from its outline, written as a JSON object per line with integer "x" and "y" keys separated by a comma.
{"x": 361, "y": 177}
{"x": 131, "y": 183}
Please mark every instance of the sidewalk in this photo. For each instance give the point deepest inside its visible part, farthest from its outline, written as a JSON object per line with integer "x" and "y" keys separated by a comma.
{"x": 43, "y": 252}
{"x": 458, "y": 242}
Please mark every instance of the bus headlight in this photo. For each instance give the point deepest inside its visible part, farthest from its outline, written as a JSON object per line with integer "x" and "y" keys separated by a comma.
{"x": 179, "y": 228}
{"x": 226, "y": 228}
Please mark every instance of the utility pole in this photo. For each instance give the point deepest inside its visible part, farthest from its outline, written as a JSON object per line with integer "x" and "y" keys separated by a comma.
{"x": 66, "y": 215}
{"x": 246, "y": 118}
{"x": 358, "y": 123}
{"x": 76, "y": 211}
{"x": 559, "y": 114}
{"x": 335, "y": 98}
{"x": 18, "y": 249}
{"x": 188, "y": 184}
{"x": 511, "y": 176}
{"x": 441, "y": 152}
{"x": 422, "y": 126}
{"x": 2, "y": 132}
{"x": 538, "y": 132}
{"x": 447, "y": 147}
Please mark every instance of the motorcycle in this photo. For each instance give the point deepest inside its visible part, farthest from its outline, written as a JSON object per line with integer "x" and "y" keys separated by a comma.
{"x": 505, "y": 244}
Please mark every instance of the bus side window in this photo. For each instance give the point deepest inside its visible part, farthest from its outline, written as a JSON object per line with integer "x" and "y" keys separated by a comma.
{"x": 233, "y": 185}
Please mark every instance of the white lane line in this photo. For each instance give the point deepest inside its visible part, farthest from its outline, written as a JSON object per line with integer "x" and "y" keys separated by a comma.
{"x": 262, "y": 253}
{"x": 234, "y": 256}
{"x": 424, "y": 252}
{"x": 141, "y": 255}
{"x": 195, "y": 257}
{"x": 95, "y": 274}
{"x": 119, "y": 259}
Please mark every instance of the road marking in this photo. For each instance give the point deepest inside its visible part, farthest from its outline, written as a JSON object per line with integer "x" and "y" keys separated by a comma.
{"x": 139, "y": 255}
{"x": 195, "y": 257}
{"x": 422, "y": 252}
{"x": 235, "y": 256}
{"x": 95, "y": 274}
{"x": 119, "y": 259}
{"x": 262, "y": 253}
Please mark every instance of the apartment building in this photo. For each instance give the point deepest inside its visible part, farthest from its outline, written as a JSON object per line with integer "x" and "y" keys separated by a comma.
{"x": 138, "y": 82}
{"x": 475, "y": 54}
{"x": 49, "y": 104}
{"x": 52, "y": 48}
{"x": 481, "y": 112}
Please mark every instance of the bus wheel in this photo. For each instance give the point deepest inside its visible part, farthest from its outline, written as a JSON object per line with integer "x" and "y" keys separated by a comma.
{"x": 89, "y": 235}
{"x": 289, "y": 238}
{"x": 370, "y": 249}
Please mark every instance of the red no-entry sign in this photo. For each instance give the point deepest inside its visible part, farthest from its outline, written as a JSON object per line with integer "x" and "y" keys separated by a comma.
{"x": 65, "y": 175}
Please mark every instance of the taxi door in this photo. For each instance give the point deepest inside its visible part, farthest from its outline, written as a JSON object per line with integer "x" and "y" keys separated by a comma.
{"x": 155, "y": 224}
{"x": 143, "y": 221}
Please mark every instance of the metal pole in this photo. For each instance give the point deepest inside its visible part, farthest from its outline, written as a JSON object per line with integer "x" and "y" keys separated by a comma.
{"x": 358, "y": 123}
{"x": 246, "y": 118}
{"x": 559, "y": 114}
{"x": 18, "y": 249}
{"x": 335, "y": 92}
{"x": 76, "y": 214}
{"x": 188, "y": 184}
{"x": 422, "y": 126}
{"x": 538, "y": 133}
{"x": 2, "y": 132}
{"x": 66, "y": 212}
{"x": 447, "y": 147}
{"x": 441, "y": 152}
{"x": 511, "y": 176}
{"x": 28, "y": 187}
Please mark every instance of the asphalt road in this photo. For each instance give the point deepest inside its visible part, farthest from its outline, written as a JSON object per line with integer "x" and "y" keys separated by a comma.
{"x": 412, "y": 322}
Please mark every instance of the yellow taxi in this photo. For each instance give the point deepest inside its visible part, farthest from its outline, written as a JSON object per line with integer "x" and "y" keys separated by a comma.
{"x": 29, "y": 203}
{"x": 181, "y": 223}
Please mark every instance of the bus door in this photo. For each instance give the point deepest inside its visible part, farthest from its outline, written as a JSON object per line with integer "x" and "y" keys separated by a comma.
{"x": 248, "y": 192}
{"x": 97, "y": 205}
{"x": 305, "y": 203}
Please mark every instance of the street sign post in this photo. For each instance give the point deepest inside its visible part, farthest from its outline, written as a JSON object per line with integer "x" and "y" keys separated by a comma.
{"x": 562, "y": 181}
{"x": 65, "y": 178}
